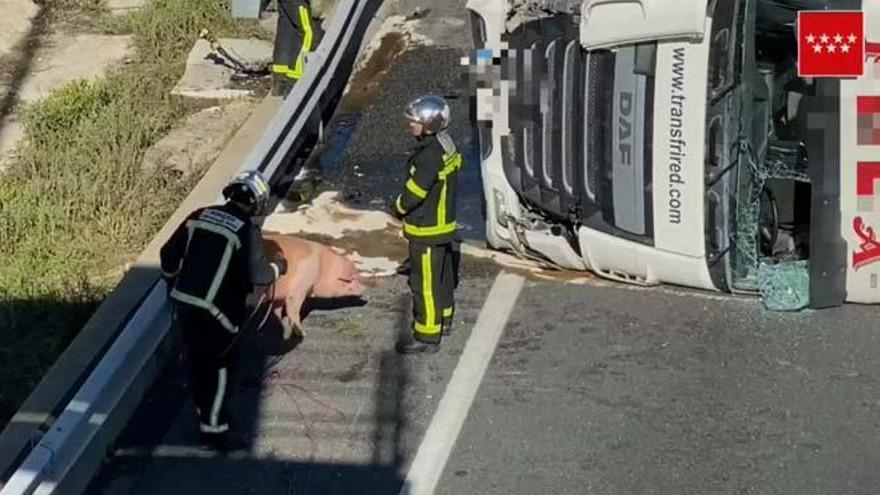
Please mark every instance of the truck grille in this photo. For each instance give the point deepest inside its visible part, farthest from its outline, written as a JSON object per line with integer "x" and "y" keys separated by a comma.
{"x": 559, "y": 118}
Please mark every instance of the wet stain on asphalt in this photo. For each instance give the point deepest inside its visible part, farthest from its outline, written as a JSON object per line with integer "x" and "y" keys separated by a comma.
{"x": 367, "y": 81}
{"x": 354, "y": 372}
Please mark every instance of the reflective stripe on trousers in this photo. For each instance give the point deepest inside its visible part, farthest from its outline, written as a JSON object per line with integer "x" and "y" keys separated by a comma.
{"x": 296, "y": 72}
{"x": 432, "y": 285}
{"x": 214, "y": 425}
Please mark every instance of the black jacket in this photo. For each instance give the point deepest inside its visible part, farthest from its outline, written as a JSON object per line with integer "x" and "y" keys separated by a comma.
{"x": 213, "y": 261}
{"x": 428, "y": 203}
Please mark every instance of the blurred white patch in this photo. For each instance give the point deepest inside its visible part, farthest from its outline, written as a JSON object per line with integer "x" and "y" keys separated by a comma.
{"x": 374, "y": 267}
{"x": 326, "y": 216}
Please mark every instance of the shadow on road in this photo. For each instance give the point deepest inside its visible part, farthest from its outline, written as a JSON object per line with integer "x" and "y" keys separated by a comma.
{"x": 158, "y": 452}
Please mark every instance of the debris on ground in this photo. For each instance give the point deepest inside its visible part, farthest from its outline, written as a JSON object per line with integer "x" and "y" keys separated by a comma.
{"x": 371, "y": 238}
{"x": 528, "y": 10}
{"x": 326, "y": 215}
{"x": 393, "y": 38}
{"x": 785, "y": 286}
{"x": 209, "y": 74}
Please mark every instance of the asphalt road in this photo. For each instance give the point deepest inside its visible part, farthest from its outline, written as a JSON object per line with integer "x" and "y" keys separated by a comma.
{"x": 592, "y": 389}
{"x": 617, "y": 391}
{"x": 341, "y": 412}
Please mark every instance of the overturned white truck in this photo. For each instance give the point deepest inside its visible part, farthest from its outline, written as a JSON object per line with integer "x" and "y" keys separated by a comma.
{"x": 658, "y": 141}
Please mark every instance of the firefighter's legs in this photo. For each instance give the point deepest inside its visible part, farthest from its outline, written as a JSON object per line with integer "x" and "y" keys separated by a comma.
{"x": 295, "y": 36}
{"x": 427, "y": 311}
{"x": 456, "y": 261}
{"x": 448, "y": 283}
{"x": 211, "y": 353}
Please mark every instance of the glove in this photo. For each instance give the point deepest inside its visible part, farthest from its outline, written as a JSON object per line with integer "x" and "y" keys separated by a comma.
{"x": 281, "y": 264}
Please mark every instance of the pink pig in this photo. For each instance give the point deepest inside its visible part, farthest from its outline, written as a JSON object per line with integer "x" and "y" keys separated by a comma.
{"x": 313, "y": 270}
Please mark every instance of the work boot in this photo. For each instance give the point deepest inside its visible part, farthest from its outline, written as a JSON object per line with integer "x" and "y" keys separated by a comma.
{"x": 447, "y": 328}
{"x": 221, "y": 442}
{"x": 416, "y": 347}
{"x": 281, "y": 86}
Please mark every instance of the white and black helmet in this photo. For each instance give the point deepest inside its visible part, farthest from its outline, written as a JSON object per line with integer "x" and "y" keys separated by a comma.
{"x": 430, "y": 111}
{"x": 249, "y": 188}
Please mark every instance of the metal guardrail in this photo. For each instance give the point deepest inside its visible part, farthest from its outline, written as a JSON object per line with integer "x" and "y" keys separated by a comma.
{"x": 78, "y": 429}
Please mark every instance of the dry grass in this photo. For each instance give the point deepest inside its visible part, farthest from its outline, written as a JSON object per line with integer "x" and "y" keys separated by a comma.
{"x": 77, "y": 205}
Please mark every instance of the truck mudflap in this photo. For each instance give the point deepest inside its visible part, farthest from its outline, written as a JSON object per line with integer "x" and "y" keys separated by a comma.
{"x": 828, "y": 249}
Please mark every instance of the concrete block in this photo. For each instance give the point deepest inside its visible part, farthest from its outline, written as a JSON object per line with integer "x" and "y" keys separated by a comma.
{"x": 208, "y": 74}
{"x": 65, "y": 58}
{"x": 11, "y": 132}
{"x": 15, "y": 23}
{"x": 246, "y": 9}
{"x": 122, "y": 7}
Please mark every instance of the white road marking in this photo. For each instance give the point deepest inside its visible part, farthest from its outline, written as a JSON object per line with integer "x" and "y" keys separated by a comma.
{"x": 437, "y": 444}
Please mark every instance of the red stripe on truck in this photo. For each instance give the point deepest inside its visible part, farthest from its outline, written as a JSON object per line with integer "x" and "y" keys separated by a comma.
{"x": 868, "y": 104}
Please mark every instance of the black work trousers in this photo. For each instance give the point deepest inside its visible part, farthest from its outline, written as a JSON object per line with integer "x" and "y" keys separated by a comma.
{"x": 432, "y": 280}
{"x": 297, "y": 34}
{"x": 212, "y": 352}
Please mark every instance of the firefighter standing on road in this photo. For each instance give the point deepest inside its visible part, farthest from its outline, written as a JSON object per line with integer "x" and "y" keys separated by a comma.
{"x": 427, "y": 208}
{"x": 296, "y": 35}
{"x": 211, "y": 263}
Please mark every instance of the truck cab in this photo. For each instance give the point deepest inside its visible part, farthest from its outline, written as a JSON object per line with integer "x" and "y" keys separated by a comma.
{"x": 657, "y": 142}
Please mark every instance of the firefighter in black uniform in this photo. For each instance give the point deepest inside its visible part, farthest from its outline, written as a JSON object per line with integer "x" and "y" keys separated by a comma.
{"x": 427, "y": 208}
{"x": 210, "y": 264}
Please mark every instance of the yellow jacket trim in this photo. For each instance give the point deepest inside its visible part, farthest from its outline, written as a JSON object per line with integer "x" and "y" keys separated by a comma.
{"x": 415, "y": 189}
{"x": 441, "y": 207}
{"x": 429, "y": 231}
{"x": 450, "y": 164}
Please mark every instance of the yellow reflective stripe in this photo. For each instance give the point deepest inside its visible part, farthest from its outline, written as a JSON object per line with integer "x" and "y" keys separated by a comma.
{"x": 450, "y": 164}
{"x": 427, "y": 291}
{"x": 399, "y": 205}
{"x": 441, "y": 207}
{"x": 220, "y": 273}
{"x": 429, "y": 231}
{"x": 414, "y": 188}
{"x": 427, "y": 329}
{"x": 447, "y": 313}
{"x": 299, "y": 66}
{"x": 262, "y": 187}
{"x": 218, "y": 398}
{"x": 213, "y": 429}
{"x": 206, "y": 305}
{"x": 305, "y": 20}
{"x": 284, "y": 70}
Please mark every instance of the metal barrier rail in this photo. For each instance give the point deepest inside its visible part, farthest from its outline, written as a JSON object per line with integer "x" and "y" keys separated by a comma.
{"x": 77, "y": 431}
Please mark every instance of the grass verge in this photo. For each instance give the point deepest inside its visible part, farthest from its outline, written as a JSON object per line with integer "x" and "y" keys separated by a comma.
{"x": 76, "y": 206}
